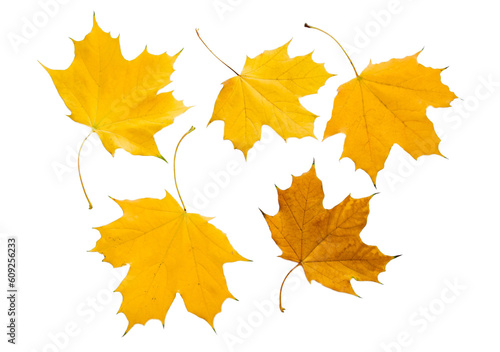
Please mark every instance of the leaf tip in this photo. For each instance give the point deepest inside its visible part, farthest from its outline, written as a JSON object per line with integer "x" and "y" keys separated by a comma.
{"x": 159, "y": 156}
{"x": 129, "y": 326}
{"x": 126, "y": 332}
{"x": 45, "y": 67}
{"x": 94, "y": 21}
{"x": 179, "y": 52}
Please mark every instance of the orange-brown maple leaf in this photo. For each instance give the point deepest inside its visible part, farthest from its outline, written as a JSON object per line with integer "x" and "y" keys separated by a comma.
{"x": 325, "y": 242}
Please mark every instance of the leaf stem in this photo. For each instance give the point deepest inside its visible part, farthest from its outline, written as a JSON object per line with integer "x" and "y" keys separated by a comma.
{"x": 281, "y": 288}
{"x": 336, "y": 41}
{"x": 79, "y": 171}
{"x": 198, "y": 33}
{"x": 175, "y": 156}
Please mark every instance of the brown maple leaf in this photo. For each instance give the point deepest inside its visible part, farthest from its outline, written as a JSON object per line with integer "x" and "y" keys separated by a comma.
{"x": 324, "y": 242}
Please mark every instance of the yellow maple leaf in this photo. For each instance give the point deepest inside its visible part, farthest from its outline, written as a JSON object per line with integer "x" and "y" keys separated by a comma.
{"x": 267, "y": 92}
{"x": 170, "y": 251}
{"x": 324, "y": 242}
{"x": 385, "y": 105}
{"x": 117, "y": 98}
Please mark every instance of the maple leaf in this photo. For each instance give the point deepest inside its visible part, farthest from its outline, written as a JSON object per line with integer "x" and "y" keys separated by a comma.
{"x": 385, "y": 105}
{"x": 324, "y": 242}
{"x": 170, "y": 251}
{"x": 267, "y": 92}
{"x": 117, "y": 98}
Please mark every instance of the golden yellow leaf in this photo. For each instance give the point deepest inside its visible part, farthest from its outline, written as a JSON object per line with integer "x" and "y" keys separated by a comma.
{"x": 267, "y": 92}
{"x": 386, "y": 105}
{"x": 169, "y": 251}
{"x": 116, "y": 97}
{"x": 325, "y": 242}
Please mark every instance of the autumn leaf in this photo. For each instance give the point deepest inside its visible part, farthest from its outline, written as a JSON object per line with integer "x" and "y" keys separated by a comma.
{"x": 117, "y": 98}
{"x": 267, "y": 92}
{"x": 324, "y": 242}
{"x": 385, "y": 105}
{"x": 170, "y": 251}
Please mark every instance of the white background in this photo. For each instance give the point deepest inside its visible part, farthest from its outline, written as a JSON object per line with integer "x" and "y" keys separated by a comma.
{"x": 441, "y": 215}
